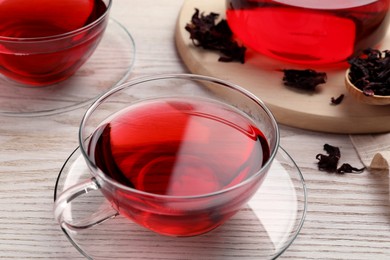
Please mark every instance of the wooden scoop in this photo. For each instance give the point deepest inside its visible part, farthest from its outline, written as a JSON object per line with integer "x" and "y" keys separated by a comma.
{"x": 361, "y": 97}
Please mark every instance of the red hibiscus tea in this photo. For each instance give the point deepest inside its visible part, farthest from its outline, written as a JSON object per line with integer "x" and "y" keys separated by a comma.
{"x": 179, "y": 147}
{"x": 309, "y": 31}
{"x": 44, "y": 41}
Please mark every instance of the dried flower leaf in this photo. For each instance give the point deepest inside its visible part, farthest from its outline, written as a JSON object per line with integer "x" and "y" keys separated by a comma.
{"x": 338, "y": 100}
{"x": 347, "y": 168}
{"x": 205, "y": 32}
{"x": 307, "y": 79}
{"x": 370, "y": 72}
{"x": 329, "y": 162}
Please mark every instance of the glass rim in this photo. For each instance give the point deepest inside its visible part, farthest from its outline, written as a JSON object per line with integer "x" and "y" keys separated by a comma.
{"x": 193, "y": 77}
{"x": 57, "y": 36}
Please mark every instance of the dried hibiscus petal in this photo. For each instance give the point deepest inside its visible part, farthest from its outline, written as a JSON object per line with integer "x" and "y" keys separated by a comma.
{"x": 347, "y": 168}
{"x": 205, "y": 32}
{"x": 338, "y": 100}
{"x": 329, "y": 162}
{"x": 307, "y": 79}
{"x": 370, "y": 72}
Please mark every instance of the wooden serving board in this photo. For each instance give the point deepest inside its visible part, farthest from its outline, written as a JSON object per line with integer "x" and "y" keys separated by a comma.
{"x": 263, "y": 77}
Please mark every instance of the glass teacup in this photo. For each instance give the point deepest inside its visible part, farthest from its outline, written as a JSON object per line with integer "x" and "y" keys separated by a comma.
{"x": 178, "y": 154}
{"x": 43, "y": 42}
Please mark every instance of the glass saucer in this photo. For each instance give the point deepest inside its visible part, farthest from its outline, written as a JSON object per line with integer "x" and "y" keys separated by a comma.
{"x": 264, "y": 229}
{"x": 96, "y": 76}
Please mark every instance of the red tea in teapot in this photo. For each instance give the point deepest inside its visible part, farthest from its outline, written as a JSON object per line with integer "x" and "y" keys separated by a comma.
{"x": 309, "y": 31}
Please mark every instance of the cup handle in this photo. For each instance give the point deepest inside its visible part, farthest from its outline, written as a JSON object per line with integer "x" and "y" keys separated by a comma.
{"x": 75, "y": 191}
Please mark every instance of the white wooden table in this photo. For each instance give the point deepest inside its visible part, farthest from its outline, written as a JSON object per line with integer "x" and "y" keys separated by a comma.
{"x": 348, "y": 215}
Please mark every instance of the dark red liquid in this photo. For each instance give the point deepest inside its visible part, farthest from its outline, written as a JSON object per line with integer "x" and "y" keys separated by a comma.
{"x": 45, "y": 63}
{"x": 175, "y": 147}
{"x": 179, "y": 148}
{"x": 312, "y": 32}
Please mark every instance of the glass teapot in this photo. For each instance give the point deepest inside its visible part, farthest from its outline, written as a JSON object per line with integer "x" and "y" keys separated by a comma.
{"x": 309, "y": 31}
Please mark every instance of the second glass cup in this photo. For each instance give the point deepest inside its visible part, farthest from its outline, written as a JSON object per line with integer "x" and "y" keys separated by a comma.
{"x": 43, "y": 42}
{"x": 178, "y": 154}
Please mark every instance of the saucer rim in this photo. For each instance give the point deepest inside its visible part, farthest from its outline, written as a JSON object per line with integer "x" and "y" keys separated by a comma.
{"x": 281, "y": 151}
